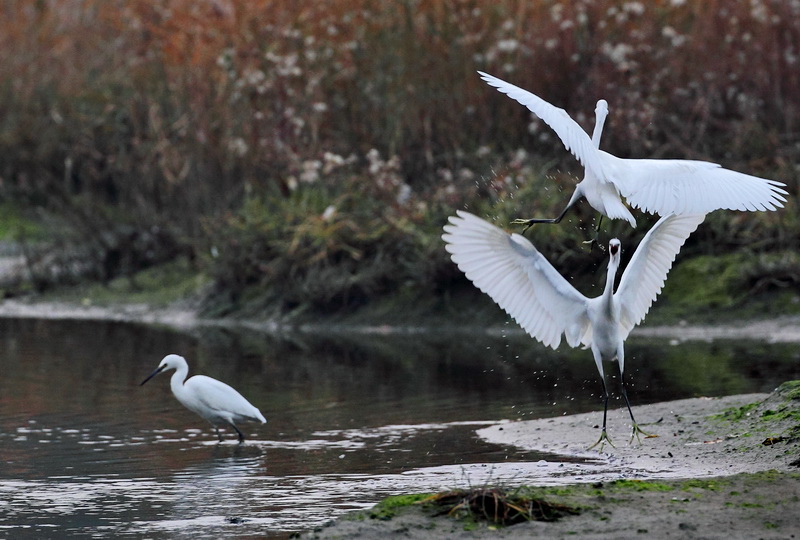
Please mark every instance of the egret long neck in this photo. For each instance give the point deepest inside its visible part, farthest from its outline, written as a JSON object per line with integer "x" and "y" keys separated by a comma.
{"x": 608, "y": 293}
{"x": 176, "y": 382}
{"x": 600, "y": 119}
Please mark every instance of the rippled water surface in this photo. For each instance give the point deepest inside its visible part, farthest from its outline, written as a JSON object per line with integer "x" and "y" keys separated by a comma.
{"x": 85, "y": 451}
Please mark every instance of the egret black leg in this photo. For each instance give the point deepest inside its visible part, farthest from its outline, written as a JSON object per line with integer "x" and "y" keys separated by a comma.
{"x": 219, "y": 435}
{"x": 528, "y": 223}
{"x": 636, "y": 429}
{"x": 603, "y": 435}
{"x": 241, "y": 435}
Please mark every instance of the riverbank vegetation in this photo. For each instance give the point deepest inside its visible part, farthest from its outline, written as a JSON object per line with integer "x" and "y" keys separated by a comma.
{"x": 304, "y": 157}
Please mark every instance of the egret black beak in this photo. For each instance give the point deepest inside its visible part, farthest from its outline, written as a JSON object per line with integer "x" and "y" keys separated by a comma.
{"x": 153, "y": 374}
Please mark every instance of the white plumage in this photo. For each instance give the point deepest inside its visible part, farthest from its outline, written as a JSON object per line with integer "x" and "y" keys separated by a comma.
{"x": 214, "y": 400}
{"x": 522, "y": 281}
{"x": 658, "y": 186}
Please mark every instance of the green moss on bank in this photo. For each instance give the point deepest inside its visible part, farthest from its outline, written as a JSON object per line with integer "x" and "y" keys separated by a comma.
{"x": 734, "y": 414}
{"x": 161, "y": 286}
{"x": 777, "y": 418}
{"x": 639, "y": 485}
{"x": 15, "y": 227}
{"x": 729, "y": 287}
{"x": 388, "y": 507}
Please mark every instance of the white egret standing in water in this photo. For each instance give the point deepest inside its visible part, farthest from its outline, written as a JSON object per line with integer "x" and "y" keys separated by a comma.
{"x": 521, "y": 281}
{"x": 658, "y": 186}
{"x": 214, "y": 400}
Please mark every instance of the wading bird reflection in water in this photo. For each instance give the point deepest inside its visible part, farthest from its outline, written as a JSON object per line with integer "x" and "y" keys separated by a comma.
{"x": 521, "y": 281}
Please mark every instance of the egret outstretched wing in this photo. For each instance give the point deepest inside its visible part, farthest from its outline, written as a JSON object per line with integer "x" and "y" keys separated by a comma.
{"x": 518, "y": 278}
{"x": 570, "y": 132}
{"x": 659, "y": 186}
{"x": 679, "y": 186}
{"x": 647, "y": 270}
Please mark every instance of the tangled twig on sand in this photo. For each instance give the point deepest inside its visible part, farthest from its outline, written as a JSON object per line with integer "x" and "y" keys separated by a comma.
{"x": 497, "y": 506}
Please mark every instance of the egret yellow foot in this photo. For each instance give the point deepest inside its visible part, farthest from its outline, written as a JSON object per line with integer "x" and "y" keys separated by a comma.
{"x": 639, "y": 431}
{"x": 528, "y": 223}
{"x": 602, "y": 440}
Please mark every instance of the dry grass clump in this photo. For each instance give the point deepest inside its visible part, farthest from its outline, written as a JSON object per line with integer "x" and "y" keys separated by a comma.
{"x": 497, "y": 506}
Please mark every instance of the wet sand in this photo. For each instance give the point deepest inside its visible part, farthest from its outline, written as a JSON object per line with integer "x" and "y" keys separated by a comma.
{"x": 744, "y": 488}
{"x": 688, "y": 444}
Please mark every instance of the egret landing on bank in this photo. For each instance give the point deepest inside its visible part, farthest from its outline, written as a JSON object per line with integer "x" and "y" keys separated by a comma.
{"x": 521, "y": 281}
{"x": 657, "y": 186}
{"x": 213, "y": 400}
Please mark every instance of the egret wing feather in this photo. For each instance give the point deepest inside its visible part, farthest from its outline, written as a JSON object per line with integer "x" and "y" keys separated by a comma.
{"x": 223, "y": 399}
{"x": 676, "y": 186}
{"x": 575, "y": 139}
{"x": 647, "y": 270}
{"x": 519, "y": 279}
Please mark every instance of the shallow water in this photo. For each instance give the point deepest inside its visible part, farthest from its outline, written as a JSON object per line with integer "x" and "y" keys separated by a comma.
{"x": 85, "y": 451}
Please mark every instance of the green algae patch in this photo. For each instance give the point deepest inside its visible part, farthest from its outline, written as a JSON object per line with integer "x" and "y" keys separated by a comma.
{"x": 640, "y": 485}
{"x": 771, "y": 475}
{"x": 700, "y": 483}
{"x": 777, "y": 418}
{"x": 790, "y": 390}
{"x": 734, "y": 414}
{"x": 783, "y": 405}
{"x": 388, "y": 507}
{"x": 781, "y": 414}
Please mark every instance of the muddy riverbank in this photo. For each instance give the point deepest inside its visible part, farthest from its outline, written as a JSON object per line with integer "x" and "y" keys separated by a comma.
{"x": 718, "y": 467}
{"x": 184, "y": 316}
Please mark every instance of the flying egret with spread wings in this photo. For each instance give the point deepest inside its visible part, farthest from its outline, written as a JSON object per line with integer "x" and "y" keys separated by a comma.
{"x": 657, "y": 186}
{"x": 520, "y": 280}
